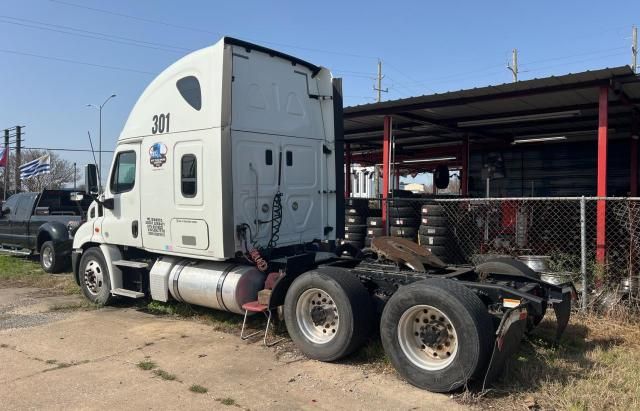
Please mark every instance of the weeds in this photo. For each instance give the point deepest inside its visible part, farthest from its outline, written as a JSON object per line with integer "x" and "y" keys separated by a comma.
{"x": 164, "y": 375}
{"x": 595, "y": 363}
{"x": 147, "y": 365}
{"x": 198, "y": 389}
{"x": 226, "y": 401}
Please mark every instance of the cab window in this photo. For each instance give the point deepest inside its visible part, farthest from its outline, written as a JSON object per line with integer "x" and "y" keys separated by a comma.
{"x": 123, "y": 177}
{"x": 188, "y": 175}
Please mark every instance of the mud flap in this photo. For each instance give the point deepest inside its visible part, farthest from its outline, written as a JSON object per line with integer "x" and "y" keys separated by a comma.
{"x": 508, "y": 337}
{"x": 563, "y": 312}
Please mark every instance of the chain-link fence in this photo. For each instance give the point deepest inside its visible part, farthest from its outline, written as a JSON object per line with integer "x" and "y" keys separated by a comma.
{"x": 558, "y": 233}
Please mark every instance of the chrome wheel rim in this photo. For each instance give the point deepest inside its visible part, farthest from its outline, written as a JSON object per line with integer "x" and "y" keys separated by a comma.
{"x": 317, "y": 316}
{"x": 427, "y": 337}
{"x": 93, "y": 277}
{"x": 47, "y": 257}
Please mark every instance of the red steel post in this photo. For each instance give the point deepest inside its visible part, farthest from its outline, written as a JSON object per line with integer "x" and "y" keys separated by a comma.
{"x": 347, "y": 170}
{"x": 464, "y": 172}
{"x": 386, "y": 148}
{"x": 601, "y": 219}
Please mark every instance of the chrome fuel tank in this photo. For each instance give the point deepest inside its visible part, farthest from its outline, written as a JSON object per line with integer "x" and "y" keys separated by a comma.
{"x": 222, "y": 286}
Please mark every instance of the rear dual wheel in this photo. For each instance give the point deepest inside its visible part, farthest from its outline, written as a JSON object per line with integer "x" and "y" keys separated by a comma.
{"x": 328, "y": 313}
{"x": 437, "y": 334}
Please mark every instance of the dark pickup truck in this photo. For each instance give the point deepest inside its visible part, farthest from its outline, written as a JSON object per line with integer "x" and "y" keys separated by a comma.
{"x": 42, "y": 223}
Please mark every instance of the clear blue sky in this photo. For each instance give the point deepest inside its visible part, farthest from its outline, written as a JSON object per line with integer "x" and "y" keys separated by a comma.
{"x": 425, "y": 46}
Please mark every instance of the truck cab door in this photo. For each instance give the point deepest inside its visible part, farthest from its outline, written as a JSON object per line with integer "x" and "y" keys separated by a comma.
{"x": 120, "y": 223}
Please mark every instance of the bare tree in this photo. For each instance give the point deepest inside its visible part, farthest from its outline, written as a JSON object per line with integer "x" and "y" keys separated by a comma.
{"x": 62, "y": 173}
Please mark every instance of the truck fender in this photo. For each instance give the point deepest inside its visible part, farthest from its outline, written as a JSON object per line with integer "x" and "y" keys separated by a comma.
{"x": 112, "y": 253}
{"x": 509, "y": 267}
{"x": 53, "y": 231}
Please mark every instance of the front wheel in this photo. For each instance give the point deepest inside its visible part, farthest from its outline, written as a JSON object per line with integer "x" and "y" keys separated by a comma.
{"x": 328, "y": 313}
{"x": 93, "y": 274}
{"x": 437, "y": 334}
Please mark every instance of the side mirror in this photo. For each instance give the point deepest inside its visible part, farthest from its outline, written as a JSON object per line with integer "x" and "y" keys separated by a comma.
{"x": 77, "y": 197}
{"x": 6, "y": 210}
{"x": 91, "y": 179}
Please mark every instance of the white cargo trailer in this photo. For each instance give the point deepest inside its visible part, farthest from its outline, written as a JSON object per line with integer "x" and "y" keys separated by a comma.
{"x": 224, "y": 182}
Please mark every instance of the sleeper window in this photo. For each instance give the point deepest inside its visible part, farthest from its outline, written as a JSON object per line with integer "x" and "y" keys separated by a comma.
{"x": 189, "y": 88}
{"x": 123, "y": 177}
{"x": 188, "y": 175}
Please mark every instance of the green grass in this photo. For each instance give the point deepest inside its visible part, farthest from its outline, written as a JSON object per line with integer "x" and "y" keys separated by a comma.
{"x": 164, "y": 375}
{"x": 198, "y": 389}
{"x": 219, "y": 320}
{"x": 147, "y": 365}
{"x": 26, "y": 272}
{"x": 226, "y": 401}
{"x": 18, "y": 267}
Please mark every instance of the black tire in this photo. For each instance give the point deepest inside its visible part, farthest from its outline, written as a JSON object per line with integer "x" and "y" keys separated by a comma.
{"x": 354, "y": 305}
{"x": 469, "y": 318}
{"x": 374, "y": 212}
{"x": 375, "y": 232}
{"x": 405, "y": 222}
{"x": 435, "y": 221}
{"x": 432, "y": 210}
{"x": 354, "y": 219}
{"x": 433, "y": 240}
{"x": 405, "y": 232}
{"x": 358, "y": 244}
{"x": 374, "y": 221}
{"x": 403, "y": 211}
{"x": 437, "y": 250}
{"x": 354, "y": 211}
{"x": 50, "y": 261}
{"x": 356, "y": 202}
{"x": 432, "y": 230}
{"x": 92, "y": 259}
{"x": 354, "y": 236}
{"x": 355, "y": 228}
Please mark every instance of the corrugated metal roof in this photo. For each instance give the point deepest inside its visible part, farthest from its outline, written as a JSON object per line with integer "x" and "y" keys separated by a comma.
{"x": 435, "y": 118}
{"x": 536, "y": 83}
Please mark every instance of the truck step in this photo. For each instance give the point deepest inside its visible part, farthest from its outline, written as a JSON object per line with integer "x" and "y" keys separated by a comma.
{"x": 131, "y": 264}
{"x": 15, "y": 251}
{"x": 127, "y": 293}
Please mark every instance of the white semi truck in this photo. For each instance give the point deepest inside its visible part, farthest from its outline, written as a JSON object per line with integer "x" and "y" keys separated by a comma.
{"x": 229, "y": 171}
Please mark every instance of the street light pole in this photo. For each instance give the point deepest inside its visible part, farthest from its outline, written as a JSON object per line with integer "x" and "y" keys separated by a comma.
{"x": 100, "y": 132}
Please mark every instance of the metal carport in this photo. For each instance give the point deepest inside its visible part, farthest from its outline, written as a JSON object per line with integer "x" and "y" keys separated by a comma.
{"x": 592, "y": 108}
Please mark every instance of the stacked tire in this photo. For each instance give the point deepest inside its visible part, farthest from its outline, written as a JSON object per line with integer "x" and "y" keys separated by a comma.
{"x": 374, "y": 229}
{"x": 355, "y": 221}
{"x": 403, "y": 221}
{"x": 433, "y": 232}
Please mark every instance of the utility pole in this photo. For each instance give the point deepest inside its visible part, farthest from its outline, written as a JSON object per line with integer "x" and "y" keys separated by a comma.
{"x": 6, "y": 164}
{"x": 379, "y": 78}
{"x": 513, "y": 67}
{"x": 634, "y": 49}
{"x": 18, "y": 156}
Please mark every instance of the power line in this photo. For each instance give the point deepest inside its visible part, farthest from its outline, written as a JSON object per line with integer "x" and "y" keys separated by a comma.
{"x": 72, "y": 31}
{"x": 64, "y": 149}
{"x": 76, "y": 62}
{"x": 410, "y": 78}
{"x": 201, "y": 30}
